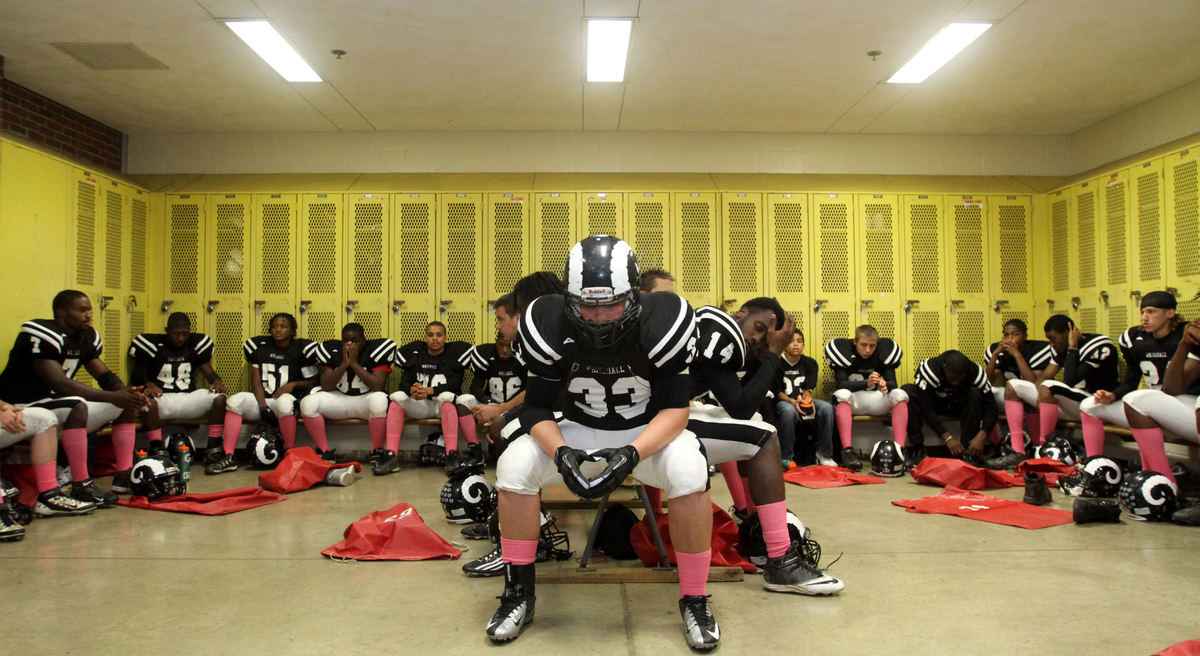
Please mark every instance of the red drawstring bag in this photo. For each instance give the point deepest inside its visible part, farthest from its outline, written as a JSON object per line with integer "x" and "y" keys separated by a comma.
{"x": 823, "y": 476}
{"x": 211, "y": 503}
{"x": 397, "y": 533}
{"x": 301, "y": 469}
{"x": 952, "y": 472}
{"x": 724, "y": 542}
{"x": 1052, "y": 468}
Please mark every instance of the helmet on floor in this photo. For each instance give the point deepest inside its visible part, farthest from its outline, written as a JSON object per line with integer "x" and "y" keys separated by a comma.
{"x": 753, "y": 547}
{"x": 432, "y": 453}
{"x": 176, "y": 440}
{"x": 553, "y": 543}
{"x": 156, "y": 478}
{"x": 265, "y": 447}
{"x": 1150, "y": 496}
{"x": 1098, "y": 476}
{"x": 467, "y": 496}
{"x": 887, "y": 459}
{"x": 1058, "y": 448}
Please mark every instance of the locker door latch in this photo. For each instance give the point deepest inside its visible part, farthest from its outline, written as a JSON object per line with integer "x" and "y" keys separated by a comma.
{"x": 304, "y": 306}
{"x": 865, "y": 304}
{"x": 212, "y": 306}
{"x": 130, "y": 303}
{"x": 396, "y": 306}
{"x": 908, "y": 305}
{"x": 443, "y": 305}
{"x": 954, "y": 306}
{"x": 817, "y": 304}
{"x": 727, "y": 302}
{"x": 1104, "y": 298}
{"x": 1074, "y": 303}
{"x": 104, "y": 302}
{"x": 166, "y": 306}
{"x": 1173, "y": 291}
{"x": 999, "y": 305}
{"x": 350, "y": 306}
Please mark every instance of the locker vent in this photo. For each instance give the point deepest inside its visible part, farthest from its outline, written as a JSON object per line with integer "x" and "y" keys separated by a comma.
{"x": 461, "y": 273}
{"x": 1187, "y": 222}
{"x": 184, "y": 277}
{"x": 789, "y": 247}
{"x": 926, "y": 249}
{"x": 602, "y": 219}
{"x": 1086, "y": 233}
{"x": 322, "y": 326}
{"x": 1014, "y": 250}
{"x": 459, "y": 326}
{"x": 372, "y": 323}
{"x": 1060, "y": 247}
{"x": 229, "y": 333}
{"x": 1115, "y": 233}
{"x": 276, "y": 248}
{"x": 835, "y": 249}
{"x": 648, "y": 231}
{"x": 695, "y": 245}
{"x": 231, "y": 239}
{"x": 555, "y": 236}
{"x": 322, "y": 248}
{"x": 509, "y": 245}
{"x": 137, "y": 255}
{"x": 414, "y": 250}
{"x": 368, "y": 249}
{"x": 970, "y": 335}
{"x": 114, "y": 231}
{"x": 968, "y": 252}
{"x": 1089, "y": 322}
{"x": 743, "y": 247}
{"x": 85, "y": 244}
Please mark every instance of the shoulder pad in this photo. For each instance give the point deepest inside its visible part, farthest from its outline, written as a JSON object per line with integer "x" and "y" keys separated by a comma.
{"x": 1127, "y": 337}
{"x": 380, "y": 351}
{"x": 981, "y": 380}
{"x": 251, "y": 346}
{"x": 327, "y": 349}
{"x": 719, "y": 338}
{"x": 929, "y": 372}
{"x": 97, "y": 341}
{"x": 307, "y": 347}
{"x": 202, "y": 346}
{"x": 840, "y": 352}
{"x": 987, "y": 353}
{"x": 889, "y": 352}
{"x": 47, "y": 333}
{"x": 668, "y": 331}
{"x": 543, "y": 330}
{"x": 1093, "y": 345}
{"x": 457, "y": 350}
{"x": 143, "y": 347}
{"x": 1041, "y": 355}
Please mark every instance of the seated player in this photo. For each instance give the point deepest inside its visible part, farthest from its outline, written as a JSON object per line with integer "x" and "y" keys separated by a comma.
{"x": 793, "y": 399}
{"x": 39, "y": 427}
{"x": 503, "y": 389}
{"x": 656, "y": 280}
{"x": 951, "y": 385}
{"x": 283, "y": 368}
{"x": 1171, "y": 408}
{"x": 165, "y": 366}
{"x": 745, "y": 448}
{"x": 40, "y": 374}
{"x": 1015, "y": 367}
{"x": 865, "y": 368}
{"x": 1088, "y": 363}
{"x": 619, "y": 359}
{"x": 353, "y": 373}
{"x": 430, "y": 386}
{"x": 1147, "y": 348}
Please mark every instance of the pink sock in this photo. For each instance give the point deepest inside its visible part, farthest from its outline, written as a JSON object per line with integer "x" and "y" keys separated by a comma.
{"x": 45, "y": 476}
{"x": 231, "y": 430}
{"x": 734, "y": 481}
{"x": 1093, "y": 434}
{"x": 395, "y": 425}
{"x": 655, "y": 496}
{"x": 1154, "y": 455}
{"x": 316, "y": 430}
{"x": 466, "y": 424}
{"x": 214, "y": 431}
{"x": 153, "y": 436}
{"x": 1014, "y": 412}
{"x": 1047, "y": 420}
{"x": 378, "y": 426}
{"x": 287, "y": 427}
{"x": 693, "y": 572}
{"x": 1032, "y": 421}
{"x": 900, "y": 424}
{"x": 519, "y": 552}
{"x": 994, "y": 436}
{"x": 450, "y": 428}
{"x": 746, "y": 492}
{"x": 123, "y": 438}
{"x": 773, "y": 517}
{"x": 845, "y": 421}
{"x": 74, "y": 441}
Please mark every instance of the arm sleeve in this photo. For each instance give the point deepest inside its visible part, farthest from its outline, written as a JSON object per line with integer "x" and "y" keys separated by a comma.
{"x": 477, "y": 389}
{"x": 407, "y": 379}
{"x": 929, "y": 411}
{"x": 810, "y": 374}
{"x": 740, "y": 398}
{"x": 541, "y": 395}
{"x": 1133, "y": 376}
{"x": 669, "y": 391}
{"x": 889, "y": 377}
{"x": 1074, "y": 369}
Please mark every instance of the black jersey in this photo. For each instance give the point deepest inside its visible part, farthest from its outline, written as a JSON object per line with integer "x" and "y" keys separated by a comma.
{"x": 443, "y": 372}
{"x": 375, "y": 354}
{"x": 614, "y": 389}
{"x": 42, "y": 339}
{"x": 795, "y": 377}
{"x": 172, "y": 369}
{"x": 1091, "y": 367}
{"x": 719, "y": 339}
{"x": 1037, "y": 353}
{"x": 724, "y": 370}
{"x": 496, "y": 380}
{"x": 931, "y": 377}
{"x": 1146, "y": 357}
{"x": 278, "y": 367}
{"x": 852, "y": 370}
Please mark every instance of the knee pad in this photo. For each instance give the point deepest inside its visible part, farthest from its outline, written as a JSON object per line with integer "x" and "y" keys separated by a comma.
{"x": 1086, "y": 406}
{"x": 377, "y": 405}
{"x": 239, "y": 402}
{"x": 447, "y": 397}
{"x": 897, "y": 396}
{"x": 283, "y": 406}
{"x": 310, "y": 406}
{"x": 842, "y": 396}
{"x": 1143, "y": 401}
{"x": 399, "y": 397}
{"x": 38, "y": 420}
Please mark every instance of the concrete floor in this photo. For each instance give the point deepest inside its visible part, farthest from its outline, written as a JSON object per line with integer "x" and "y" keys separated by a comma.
{"x": 125, "y": 581}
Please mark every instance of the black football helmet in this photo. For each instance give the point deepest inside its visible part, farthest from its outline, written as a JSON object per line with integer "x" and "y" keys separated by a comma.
{"x": 156, "y": 478}
{"x": 177, "y": 439}
{"x": 753, "y": 547}
{"x": 1098, "y": 476}
{"x": 265, "y": 447}
{"x": 10, "y": 504}
{"x": 1150, "y": 496}
{"x": 602, "y": 270}
{"x": 553, "y": 542}
{"x": 467, "y": 496}
{"x": 432, "y": 453}
{"x": 1058, "y": 448}
{"x": 887, "y": 459}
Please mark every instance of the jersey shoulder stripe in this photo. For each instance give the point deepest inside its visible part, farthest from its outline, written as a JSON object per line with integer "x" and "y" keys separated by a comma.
{"x": 308, "y": 348}
{"x": 981, "y": 381}
{"x": 143, "y": 347}
{"x": 536, "y": 345}
{"x": 926, "y": 373}
{"x": 204, "y": 347}
{"x": 325, "y": 350}
{"x": 44, "y": 333}
{"x": 894, "y": 354}
{"x": 711, "y": 318}
{"x": 1095, "y": 343}
{"x": 1127, "y": 337}
{"x": 678, "y": 336}
{"x": 834, "y": 354}
{"x": 382, "y": 353}
{"x": 1041, "y": 357}
{"x": 990, "y": 351}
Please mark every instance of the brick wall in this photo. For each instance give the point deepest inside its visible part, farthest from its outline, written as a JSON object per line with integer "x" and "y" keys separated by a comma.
{"x": 28, "y": 114}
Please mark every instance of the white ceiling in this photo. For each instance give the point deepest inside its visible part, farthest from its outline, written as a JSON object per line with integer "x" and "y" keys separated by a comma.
{"x": 1048, "y": 67}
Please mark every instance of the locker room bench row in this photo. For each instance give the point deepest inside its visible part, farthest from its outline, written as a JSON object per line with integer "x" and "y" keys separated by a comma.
{"x": 1125, "y": 434}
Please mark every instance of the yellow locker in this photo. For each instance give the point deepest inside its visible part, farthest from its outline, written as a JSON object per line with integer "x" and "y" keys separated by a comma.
{"x": 1010, "y": 220}
{"x": 878, "y": 266}
{"x": 1150, "y": 238}
{"x": 1085, "y": 237}
{"x": 187, "y": 258}
{"x": 788, "y": 255}
{"x": 274, "y": 274}
{"x": 971, "y": 310}
{"x": 649, "y": 231}
{"x": 602, "y": 213}
{"x": 414, "y": 289}
{"x": 1060, "y": 253}
{"x": 1183, "y": 230}
{"x": 113, "y": 305}
{"x": 1116, "y": 314}
{"x": 506, "y": 252}
{"x": 924, "y": 275}
{"x": 741, "y": 252}
{"x": 460, "y": 254}
{"x": 368, "y": 270}
{"x": 555, "y": 230}
{"x": 226, "y": 230}
{"x": 139, "y": 306}
{"x": 835, "y": 308}
{"x": 323, "y": 305}
{"x": 87, "y": 246}
{"x": 695, "y": 257}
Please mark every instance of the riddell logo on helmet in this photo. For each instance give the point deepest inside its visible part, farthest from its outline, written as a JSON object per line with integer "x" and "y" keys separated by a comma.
{"x": 596, "y": 293}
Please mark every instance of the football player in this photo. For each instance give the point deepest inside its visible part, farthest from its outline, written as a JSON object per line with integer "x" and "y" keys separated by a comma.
{"x": 430, "y": 386}
{"x": 40, "y": 374}
{"x": 619, "y": 359}
{"x": 950, "y": 385}
{"x": 1173, "y": 407}
{"x": 283, "y": 368}
{"x": 1147, "y": 348}
{"x": 1015, "y": 367}
{"x": 1088, "y": 363}
{"x": 734, "y": 437}
{"x": 353, "y": 373}
{"x": 795, "y": 405}
{"x": 165, "y": 366}
{"x": 865, "y": 368}
{"x": 39, "y": 427}
{"x": 508, "y": 380}
{"x": 656, "y": 280}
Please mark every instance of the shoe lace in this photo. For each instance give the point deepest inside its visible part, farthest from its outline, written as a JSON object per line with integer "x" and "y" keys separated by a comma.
{"x": 810, "y": 553}
{"x": 697, "y": 606}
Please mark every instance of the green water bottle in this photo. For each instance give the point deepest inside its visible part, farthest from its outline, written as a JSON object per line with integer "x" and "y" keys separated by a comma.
{"x": 139, "y": 456}
{"x": 184, "y": 463}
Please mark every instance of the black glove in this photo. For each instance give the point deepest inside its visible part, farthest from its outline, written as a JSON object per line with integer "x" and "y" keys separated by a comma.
{"x": 620, "y": 464}
{"x": 268, "y": 415}
{"x": 568, "y": 461}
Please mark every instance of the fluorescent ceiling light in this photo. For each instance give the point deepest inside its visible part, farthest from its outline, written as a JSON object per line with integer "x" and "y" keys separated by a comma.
{"x": 607, "y": 48}
{"x": 264, "y": 40}
{"x": 944, "y": 45}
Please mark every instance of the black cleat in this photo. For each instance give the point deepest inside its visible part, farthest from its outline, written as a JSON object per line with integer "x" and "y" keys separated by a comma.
{"x": 789, "y": 573}
{"x": 452, "y": 461}
{"x": 849, "y": 458}
{"x": 10, "y": 529}
{"x": 1087, "y": 511}
{"x": 474, "y": 454}
{"x": 1036, "y": 492}
{"x": 88, "y": 491}
{"x": 913, "y": 455}
{"x": 1188, "y": 516}
{"x": 327, "y": 455}
{"x": 53, "y": 502}
{"x": 120, "y": 482}
{"x": 477, "y": 531}
{"x": 490, "y": 564}
{"x": 388, "y": 464}
{"x": 738, "y": 515}
{"x": 377, "y": 456}
{"x": 699, "y": 626}
{"x": 1007, "y": 461}
{"x": 225, "y": 464}
{"x": 516, "y": 604}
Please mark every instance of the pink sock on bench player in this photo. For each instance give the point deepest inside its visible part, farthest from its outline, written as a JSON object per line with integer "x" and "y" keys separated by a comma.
{"x": 46, "y": 477}
{"x": 450, "y": 427}
{"x": 733, "y": 480}
{"x": 466, "y": 424}
{"x": 693, "y": 572}
{"x": 845, "y": 422}
{"x": 231, "y": 431}
{"x": 1093, "y": 434}
{"x": 378, "y": 427}
{"x": 395, "y": 425}
{"x": 287, "y": 428}
{"x": 900, "y": 424}
{"x": 1154, "y": 453}
{"x": 1047, "y": 420}
{"x": 1014, "y": 412}
{"x": 123, "y": 436}
{"x": 74, "y": 441}
{"x": 316, "y": 430}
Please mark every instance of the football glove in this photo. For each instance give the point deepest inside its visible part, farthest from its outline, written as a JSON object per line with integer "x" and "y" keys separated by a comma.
{"x": 621, "y": 463}
{"x": 568, "y": 461}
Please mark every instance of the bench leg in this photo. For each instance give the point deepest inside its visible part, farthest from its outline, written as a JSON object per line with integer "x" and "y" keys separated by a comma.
{"x": 591, "y": 541}
{"x": 664, "y": 562}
